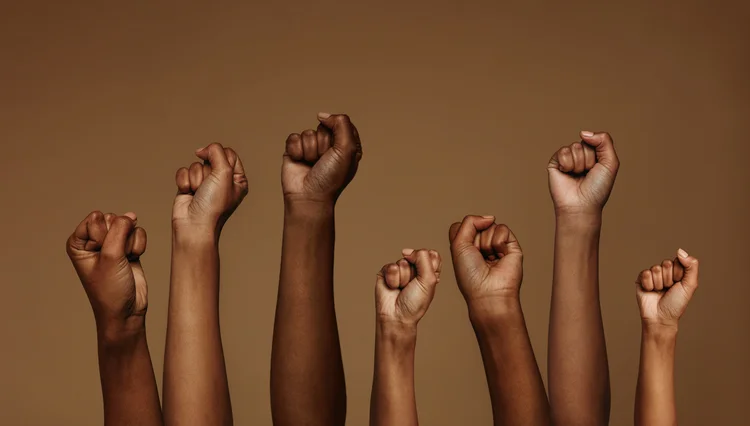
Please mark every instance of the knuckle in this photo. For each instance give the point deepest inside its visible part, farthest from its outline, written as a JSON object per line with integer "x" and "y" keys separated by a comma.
{"x": 292, "y": 137}
{"x": 343, "y": 119}
{"x": 308, "y": 133}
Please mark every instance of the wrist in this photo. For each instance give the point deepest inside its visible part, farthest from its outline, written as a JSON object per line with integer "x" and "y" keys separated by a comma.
{"x": 295, "y": 206}
{"x": 120, "y": 333}
{"x": 578, "y": 219}
{"x": 195, "y": 234}
{"x": 489, "y": 310}
{"x": 659, "y": 329}
{"x": 396, "y": 332}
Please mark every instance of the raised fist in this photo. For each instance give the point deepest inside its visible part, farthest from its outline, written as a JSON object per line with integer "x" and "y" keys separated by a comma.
{"x": 105, "y": 251}
{"x": 404, "y": 289}
{"x": 581, "y": 176}
{"x": 209, "y": 192}
{"x": 663, "y": 292}
{"x": 487, "y": 260}
{"x": 319, "y": 164}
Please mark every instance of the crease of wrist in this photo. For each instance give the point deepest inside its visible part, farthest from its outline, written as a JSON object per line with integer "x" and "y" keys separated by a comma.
{"x": 302, "y": 206}
{"x": 121, "y": 333}
{"x": 591, "y": 220}
{"x": 660, "y": 329}
{"x": 397, "y": 330}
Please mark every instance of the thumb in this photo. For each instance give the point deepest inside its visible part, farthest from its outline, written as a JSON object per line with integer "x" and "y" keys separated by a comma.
{"x": 604, "y": 147}
{"x": 690, "y": 266}
{"x": 345, "y": 135}
{"x": 216, "y": 156}
{"x": 426, "y": 267}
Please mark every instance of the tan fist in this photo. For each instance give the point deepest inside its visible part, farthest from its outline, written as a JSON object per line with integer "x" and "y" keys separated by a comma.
{"x": 209, "y": 192}
{"x": 105, "y": 251}
{"x": 404, "y": 289}
{"x": 664, "y": 291}
{"x": 487, "y": 260}
{"x": 582, "y": 175}
{"x": 319, "y": 164}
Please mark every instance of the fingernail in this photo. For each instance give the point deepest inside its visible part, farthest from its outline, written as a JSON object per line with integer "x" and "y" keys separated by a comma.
{"x": 587, "y": 134}
{"x": 682, "y": 253}
{"x": 323, "y": 115}
{"x": 488, "y": 217}
{"x": 200, "y": 149}
{"x": 407, "y": 251}
{"x": 132, "y": 216}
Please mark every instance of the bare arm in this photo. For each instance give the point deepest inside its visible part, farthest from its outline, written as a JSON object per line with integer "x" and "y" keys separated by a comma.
{"x": 127, "y": 377}
{"x": 307, "y": 372}
{"x": 196, "y": 390}
{"x": 578, "y": 369}
{"x": 393, "y": 401}
{"x": 663, "y": 293}
{"x": 581, "y": 178}
{"x": 655, "y": 399}
{"x": 515, "y": 383}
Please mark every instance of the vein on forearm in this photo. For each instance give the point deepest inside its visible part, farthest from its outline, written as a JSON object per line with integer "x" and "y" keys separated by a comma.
{"x": 578, "y": 370}
{"x": 196, "y": 389}
{"x": 306, "y": 368}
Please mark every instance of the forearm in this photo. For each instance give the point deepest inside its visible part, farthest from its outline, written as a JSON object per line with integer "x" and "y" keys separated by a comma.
{"x": 196, "y": 389}
{"x": 307, "y": 374}
{"x": 516, "y": 387}
{"x": 578, "y": 370}
{"x": 128, "y": 383}
{"x": 393, "y": 400}
{"x": 655, "y": 399}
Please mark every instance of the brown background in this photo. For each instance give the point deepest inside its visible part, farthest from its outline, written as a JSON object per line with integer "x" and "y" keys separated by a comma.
{"x": 460, "y": 106}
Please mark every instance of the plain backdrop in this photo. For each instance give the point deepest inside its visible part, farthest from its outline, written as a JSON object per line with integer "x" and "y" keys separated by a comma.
{"x": 459, "y": 104}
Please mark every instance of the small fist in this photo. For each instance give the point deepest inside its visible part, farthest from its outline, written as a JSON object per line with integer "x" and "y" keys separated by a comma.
{"x": 209, "y": 192}
{"x": 581, "y": 176}
{"x": 404, "y": 289}
{"x": 487, "y": 260}
{"x": 319, "y": 164}
{"x": 105, "y": 252}
{"x": 663, "y": 292}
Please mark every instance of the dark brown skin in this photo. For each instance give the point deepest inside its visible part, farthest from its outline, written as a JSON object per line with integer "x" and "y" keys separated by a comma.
{"x": 307, "y": 372}
{"x": 663, "y": 293}
{"x": 196, "y": 390}
{"x": 581, "y": 177}
{"x": 403, "y": 293}
{"x": 488, "y": 262}
{"x": 105, "y": 251}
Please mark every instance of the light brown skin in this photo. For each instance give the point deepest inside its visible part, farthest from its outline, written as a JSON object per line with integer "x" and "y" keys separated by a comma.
{"x": 581, "y": 178}
{"x": 307, "y": 373}
{"x": 403, "y": 293}
{"x": 105, "y": 251}
{"x": 663, "y": 293}
{"x": 488, "y": 263}
{"x": 196, "y": 390}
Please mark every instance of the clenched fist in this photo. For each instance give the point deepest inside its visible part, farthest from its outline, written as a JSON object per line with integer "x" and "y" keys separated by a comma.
{"x": 404, "y": 289}
{"x": 581, "y": 176}
{"x": 664, "y": 290}
{"x": 319, "y": 164}
{"x": 487, "y": 260}
{"x": 209, "y": 192}
{"x": 105, "y": 252}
